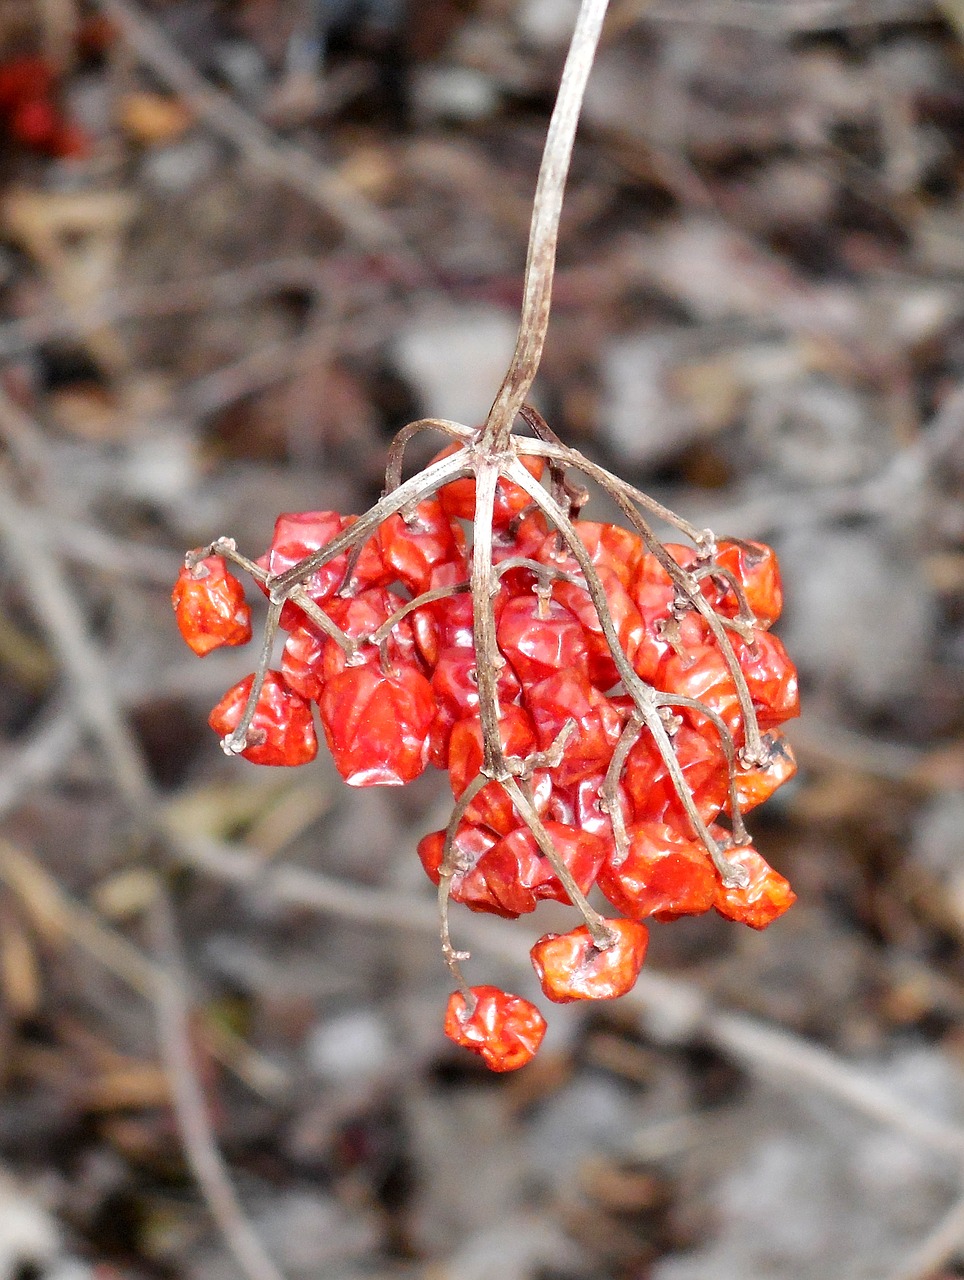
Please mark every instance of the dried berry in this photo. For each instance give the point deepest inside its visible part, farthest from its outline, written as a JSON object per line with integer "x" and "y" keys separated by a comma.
{"x": 571, "y": 967}
{"x": 505, "y": 1030}
{"x": 209, "y": 606}
{"x": 282, "y": 731}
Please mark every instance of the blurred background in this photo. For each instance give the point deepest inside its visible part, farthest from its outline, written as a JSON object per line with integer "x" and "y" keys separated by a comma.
{"x": 240, "y": 245}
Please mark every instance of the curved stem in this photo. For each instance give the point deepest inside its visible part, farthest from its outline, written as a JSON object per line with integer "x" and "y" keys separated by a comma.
{"x": 544, "y": 230}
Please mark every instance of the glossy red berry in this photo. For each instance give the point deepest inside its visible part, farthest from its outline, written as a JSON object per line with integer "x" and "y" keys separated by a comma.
{"x": 626, "y": 620}
{"x": 469, "y": 844}
{"x": 492, "y": 806}
{"x": 456, "y": 691}
{"x": 301, "y": 661}
{"x": 767, "y": 896}
{"x": 209, "y": 606}
{"x": 650, "y": 787}
{"x": 413, "y": 548}
{"x": 505, "y": 1030}
{"x": 377, "y": 724}
{"x": 511, "y": 877}
{"x": 458, "y": 496}
{"x": 664, "y": 875}
{"x": 571, "y": 967}
{"x": 359, "y": 616}
{"x": 297, "y": 535}
{"x": 580, "y": 805}
{"x": 756, "y": 783}
{"x": 540, "y": 637}
{"x": 568, "y": 696}
{"x": 282, "y": 731}
{"x": 755, "y": 567}
{"x": 608, "y": 546}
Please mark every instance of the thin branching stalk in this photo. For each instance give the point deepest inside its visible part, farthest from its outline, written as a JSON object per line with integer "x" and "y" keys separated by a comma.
{"x": 544, "y": 230}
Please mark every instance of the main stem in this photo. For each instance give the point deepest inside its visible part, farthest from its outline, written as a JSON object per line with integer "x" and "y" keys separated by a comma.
{"x": 544, "y": 229}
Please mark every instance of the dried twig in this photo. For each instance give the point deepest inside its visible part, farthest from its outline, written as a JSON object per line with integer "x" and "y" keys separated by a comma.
{"x": 190, "y": 1108}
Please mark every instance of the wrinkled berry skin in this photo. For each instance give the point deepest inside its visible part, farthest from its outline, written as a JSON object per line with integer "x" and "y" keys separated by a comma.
{"x": 282, "y": 731}
{"x": 505, "y": 1030}
{"x": 664, "y": 875}
{"x": 210, "y": 608}
{"x": 765, "y": 898}
{"x": 571, "y": 967}
{"x": 377, "y": 725}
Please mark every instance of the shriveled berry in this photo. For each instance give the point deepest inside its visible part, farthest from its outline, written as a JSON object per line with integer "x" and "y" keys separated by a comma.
{"x": 209, "y": 606}
{"x": 626, "y": 619}
{"x": 571, "y": 967}
{"x": 360, "y": 616}
{"x": 580, "y": 805}
{"x": 377, "y": 724}
{"x": 609, "y": 547}
{"x": 282, "y": 731}
{"x": 456, "y": 690}
{"x": 514, "y": 875}
{"x": 650, "y": 788}
{"x": 412, "y": 548}
{"x": 565, "y": 696}
{"x": 756, "y": 783}
{"x": 755, "y": 567}
{"x": 505, "y": 1030}
{"x": 664, "y": 875}
{"x": 492, "y": 806}
{"x": 301, "y": 661}
{"x": 767, "y": 896}
{"x": 298, "y": 534}
{"x": 458, "y": 496}
{"x": 540, "y": 637}
{"x": 701, "y": 672}
{"x": 469, "y": 844}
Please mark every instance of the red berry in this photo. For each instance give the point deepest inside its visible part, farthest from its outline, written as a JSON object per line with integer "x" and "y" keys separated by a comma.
{"x": 767, "y": 896}
{"x": 756, "y": 783}
{"x": 412, "y": 549}
{"x": 301, "y": 661}
{"x": 377, "y": 724}
{"x": 469, "y": 844}
{"x": 579, "y": 806}
{"x": 458, "y": 496}
{"x": 771, "y": 678}
{"x": 492, "y": 806}
{"x": 571, "y": 967}
{"x": 754, "y": 565}
{"x": 609, "y": 547}
{"x": 505, "y": 1030}
{"x": 360, "y": 616}
{"x": 651, "y": 791}
{"x": 282, "y": 731}
{"x": 209, "y": 606}
{"x": 565, "y": 696}
{"x": 457, "y": 694}
{"x": 298, "y": 534}
{"x": 511, "y": 877}
{"x": 664, "y": 874}
{"x": 626, "y": 619}
{"x": 540, "y": 637}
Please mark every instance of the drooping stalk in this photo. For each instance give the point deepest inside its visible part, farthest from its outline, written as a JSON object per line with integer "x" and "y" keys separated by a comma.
{"x": 544, "y": 229}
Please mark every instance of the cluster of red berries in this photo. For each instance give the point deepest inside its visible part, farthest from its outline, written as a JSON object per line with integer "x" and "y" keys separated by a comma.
{"x": 383, "y": 642}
